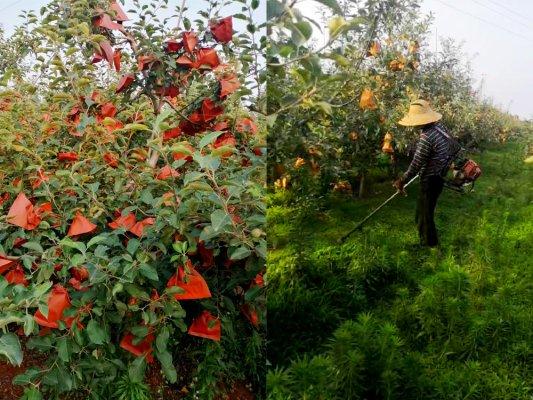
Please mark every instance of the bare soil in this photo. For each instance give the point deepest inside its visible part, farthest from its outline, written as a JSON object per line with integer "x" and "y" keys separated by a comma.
{"x": 8, "y": 391}
{"x": 161, "y": 390}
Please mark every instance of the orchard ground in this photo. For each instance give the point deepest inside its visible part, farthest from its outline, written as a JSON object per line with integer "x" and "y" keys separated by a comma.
{"x": 159, "y": 388}
{"x": 380, "y": 318}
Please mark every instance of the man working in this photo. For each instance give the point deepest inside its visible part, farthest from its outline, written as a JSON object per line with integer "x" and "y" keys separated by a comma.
{"x": 431, "y": 161}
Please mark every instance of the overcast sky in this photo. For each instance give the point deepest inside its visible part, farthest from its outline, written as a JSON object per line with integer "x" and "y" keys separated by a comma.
{"x": 10, "y": 9}
{"x": 497, "y": 35}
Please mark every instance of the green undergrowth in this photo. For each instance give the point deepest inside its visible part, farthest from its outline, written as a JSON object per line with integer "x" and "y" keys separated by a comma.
{"x": 380, "y": 318}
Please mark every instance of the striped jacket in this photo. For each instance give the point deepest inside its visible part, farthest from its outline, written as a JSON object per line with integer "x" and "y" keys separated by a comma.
{"x": 433, "y": 155}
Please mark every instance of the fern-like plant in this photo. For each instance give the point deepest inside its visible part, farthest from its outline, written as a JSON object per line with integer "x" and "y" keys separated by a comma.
{"x": 130, "y": 389}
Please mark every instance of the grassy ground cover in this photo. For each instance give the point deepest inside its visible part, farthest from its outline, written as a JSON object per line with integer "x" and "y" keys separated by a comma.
{"x": 379, "y": 318}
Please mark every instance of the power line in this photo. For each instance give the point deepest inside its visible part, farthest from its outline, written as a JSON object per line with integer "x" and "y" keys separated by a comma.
{"x": 10, "y": 5}
{"x": 508, "y": 9}
{"x": 486, "y": 21}
{"x": 503, "y": 15}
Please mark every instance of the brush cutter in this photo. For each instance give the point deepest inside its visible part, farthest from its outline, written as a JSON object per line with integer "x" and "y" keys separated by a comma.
{"x": 360, "y": 224}
{"x": 462, "y": 188}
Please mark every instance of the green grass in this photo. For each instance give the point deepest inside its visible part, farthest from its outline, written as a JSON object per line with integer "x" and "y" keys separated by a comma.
{"x": 379, "y": 318}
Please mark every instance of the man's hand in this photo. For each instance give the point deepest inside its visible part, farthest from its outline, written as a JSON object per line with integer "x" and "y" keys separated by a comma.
{"x": 399, "y": 184}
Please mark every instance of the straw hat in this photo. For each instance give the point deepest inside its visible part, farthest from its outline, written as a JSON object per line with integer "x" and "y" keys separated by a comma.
{"x": 420, "y": 113}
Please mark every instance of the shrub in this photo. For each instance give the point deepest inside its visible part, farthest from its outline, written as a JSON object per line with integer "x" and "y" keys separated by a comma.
{"x": 131, "y": 205}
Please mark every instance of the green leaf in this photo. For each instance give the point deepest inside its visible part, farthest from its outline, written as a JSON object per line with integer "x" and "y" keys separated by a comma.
{"x": 336, "y": 25}
{"x": 119, "y": 287}
{"x": 136, "y": 369}
{"x": 192, "y": 176}
{"x": 164, "y": 356}
{"x": 62, "y": 349}
{"x": 68, "y": 242}
{"x": 137, "y": 291}
{"x": 97, "y": 239}
{"x": 100, "y": 251}
{"x": 146, "y": 197}
{"x": 119, "y": 184}
{"x": 77, "y": 259}
{"x": 207, "y": 233}
{"x": 139, "y": 332}
{"x": 96, "y": 333}
{"x": 182, "y": 147}
{"x": 85, "y": 120}
{"x": 62, "y": 173}
{"x": 162, "y": 117}
{"x": 45, "y": 272}
{"x": 261, "y": 249}
{"x": 28, "y": 376}
{"x": 240, "y": 253}
{"x": 149, "y": 272}
{"x": 285, "y": 51}
{"x": 207, "y": 162}
{"x": 209, "y": 138}
{"x": 325, "y": 106}
{"x": 199, "y": 186}
{"x": 339, "y": 59}
{"x": 43, "y": 308}
{"x": 41, "y": 289}
{"x": 135, "y": 127}
{"x": 252, "y": 293}
{"x": 167, "y": 366}
{"x": 219, "y": 219}
{"x": 180, "y": 247}
{"x": 133, "y": 245}
{"x": 271, "y": 120}
{"x": 34, "y": 246}
{"x": 221, "y": 151}
{"x": 162, "y": 339}
{"x": 31, "y": 394}
{"x": 171, "y": 291}
{"x": 186, "y": 23}
{"x": 94, "y": 187}
{"x": 10, "y": 347}
{"x": 301, "y": 32}
{"x": 312, "y": 64}
{"x": 29, "y": 324}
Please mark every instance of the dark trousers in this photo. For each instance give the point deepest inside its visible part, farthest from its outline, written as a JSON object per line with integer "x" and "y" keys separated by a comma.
{"x": 430, "y": 190}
